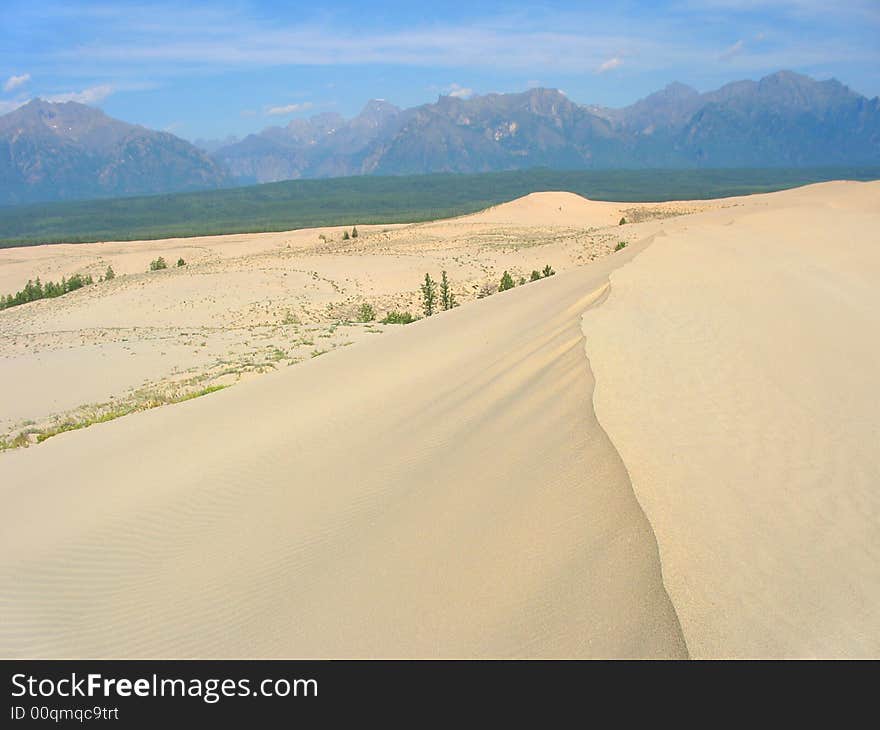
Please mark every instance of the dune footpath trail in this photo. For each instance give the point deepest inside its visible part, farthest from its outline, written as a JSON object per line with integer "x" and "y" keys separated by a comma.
{"x": 744, "y": 401}
{"x": 445, "y": 491}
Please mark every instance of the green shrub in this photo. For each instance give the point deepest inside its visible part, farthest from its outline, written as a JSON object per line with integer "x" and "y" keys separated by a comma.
{"x": 345, "y": 236}
{"x": 535, "y": 275}
{"x": 620, "y": 245}
{"x": 158, "y": 264}
{"x": 506, "y": 282}
{"x": 622, "y": 221}
{"x": 354, "y": 232}
{"x": 395, "y": 317}
{"x": 366, "y": 313}
{"x": 180, "y": 262}
{"x": 548, "y": 271}
{"x": 110, "y": 274}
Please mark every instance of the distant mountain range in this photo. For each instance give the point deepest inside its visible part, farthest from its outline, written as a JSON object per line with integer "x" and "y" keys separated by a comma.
{"x": 57, "y": 151}
{"x": 783, "y": 120}
{"x": 68, "y": 151}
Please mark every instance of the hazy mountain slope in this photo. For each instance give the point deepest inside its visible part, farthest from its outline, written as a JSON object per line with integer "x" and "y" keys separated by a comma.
{"x": 325, "y": 145}
{"x": 66, "y": 151}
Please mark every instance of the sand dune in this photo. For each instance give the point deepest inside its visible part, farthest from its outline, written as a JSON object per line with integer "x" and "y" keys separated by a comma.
{"x": 248, "y": 303}
{"x": 447, "y": 489}
{"x": 551, "y": 208}
{"x": 737, "y": 368}
{"x": 443, "y": 491}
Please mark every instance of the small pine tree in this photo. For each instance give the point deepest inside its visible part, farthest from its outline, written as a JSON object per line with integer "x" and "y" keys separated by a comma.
{"x": 354, "y": 232}
{"x": 109, "y": 274}
{"x": 535, "y": 275}
{"x": 506, "y": 282}
{"x": 345, "y": 236}
{"x": 447, "y": 298}
{"x": 429, "y": 295}
{"x": 622, "y": 221}
{"x": 180, "y": 262}
{"x": 548, "y": 271}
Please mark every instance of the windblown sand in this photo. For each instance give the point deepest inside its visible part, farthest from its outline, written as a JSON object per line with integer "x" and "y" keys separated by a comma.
{"x": 446, "y": 489}
{"x": 737, "y": 365}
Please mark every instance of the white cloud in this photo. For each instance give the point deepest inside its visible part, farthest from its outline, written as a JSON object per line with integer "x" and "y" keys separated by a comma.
{"x": 91, "y": 95}
{"x": 733, "y": 50}
{"x": 167, "y": 39}
{"x": 13, "y": 82}
{"x": 459, "y": 92}
{"x": 278, "y": 111}
{"x": 609, "y": 65}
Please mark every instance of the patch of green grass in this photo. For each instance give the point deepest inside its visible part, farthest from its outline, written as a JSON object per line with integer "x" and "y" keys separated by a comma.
{"x": 110, "y": 414}
{"x": 395, "y": 317}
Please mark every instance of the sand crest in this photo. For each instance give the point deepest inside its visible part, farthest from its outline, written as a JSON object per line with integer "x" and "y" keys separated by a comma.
{"x": 737, "y": 366}
{"x": 441, "y": 491}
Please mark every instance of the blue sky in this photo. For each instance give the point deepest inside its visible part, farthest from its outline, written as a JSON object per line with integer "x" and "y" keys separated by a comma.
{"x": 210, "y": 69}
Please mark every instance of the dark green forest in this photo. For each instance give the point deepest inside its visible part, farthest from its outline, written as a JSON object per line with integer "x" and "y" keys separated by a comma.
{"x": 374, "y": 199}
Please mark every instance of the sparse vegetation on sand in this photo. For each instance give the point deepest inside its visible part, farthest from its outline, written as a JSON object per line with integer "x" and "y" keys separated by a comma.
{"x": 620, "y": 246}
{"x": 103, "y": 413}
{"x": 395, "y": 317}
{"x": 366, "y": 313}
{"x": 158, "y": 264}
{"x": 35, "y": 290}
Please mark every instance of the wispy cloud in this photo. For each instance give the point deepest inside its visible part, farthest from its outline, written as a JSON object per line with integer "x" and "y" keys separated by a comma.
{"x": 280, "y": 111}
{"x": 91, "y": 95}
{"x": 13, "y": 82}
{"x": 732, "y": 51}
{"x": 609, "y": 65}
{"x": 177, "y": 39}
